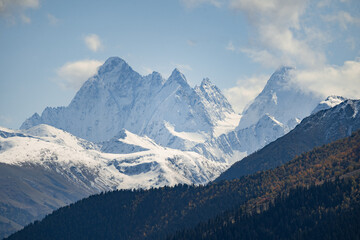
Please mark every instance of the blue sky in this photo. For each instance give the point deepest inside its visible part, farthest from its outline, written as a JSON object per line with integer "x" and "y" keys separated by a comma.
{"x": 49, "y": 48}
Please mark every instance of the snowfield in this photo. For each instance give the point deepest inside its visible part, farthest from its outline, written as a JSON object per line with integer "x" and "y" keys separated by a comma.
{"x": 83, "y": 163}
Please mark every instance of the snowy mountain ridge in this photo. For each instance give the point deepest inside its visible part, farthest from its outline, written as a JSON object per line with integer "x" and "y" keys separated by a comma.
{"x": 44, "y": 168}
{"x": 175, "y": 115}
{"x": 235, "y": 145}
{"x": 119, "y": 98}
{"x": 282, "y": 99}
{"x": 46, "y": 146}
{"x": 329, "y": 102}
{"x": 274, "y": 112}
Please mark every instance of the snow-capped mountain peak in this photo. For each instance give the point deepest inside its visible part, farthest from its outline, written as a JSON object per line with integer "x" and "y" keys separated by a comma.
{"x": 214, "y": 100}
{"x": 279, "y": 79}
{"x": 178, "y": 78}
{"x": 34, "y": 120}
{"x": 329, "y": 102}
{"x": 113, "y": 64}
{"x": 155, "y": 79}
{"x": 119, "y": 98}
{"x": 206, "y": 83}
{"x": 280, "y": 98}
{"x": 274, "y": 112}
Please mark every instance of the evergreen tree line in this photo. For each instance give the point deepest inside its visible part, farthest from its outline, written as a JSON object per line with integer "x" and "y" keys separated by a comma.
{"x": 327, "y": 211}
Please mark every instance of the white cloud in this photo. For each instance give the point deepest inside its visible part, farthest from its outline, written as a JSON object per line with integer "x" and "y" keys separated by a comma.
{"x": 230, "y": 46}
{"x": 245, "y": 91}
{"x": 52, "y": 19}
{"x": 289, "y": 32}
{"x": 146, "y": 71}
{"x": 196, "y": 3}
{"x": 328, "y": 80}
{"x": 317, "y": 37}
{"x": 12, "y": 5}
{"x": 73, "y": 74}
{"x": 25, "y": 19}
{"x": 343, "y": 19}
{"x": 183, "y": 67}
{"x": 280, "y": 35}
{"x": 351, "y": 43}
{"x": 263, "y": 56}
{"x": 282, "y": 13}
{"x": 323, "y": 3}
{"x": 11, "y": 9}
{"x": 93, "y": 42}
{"x": 332, "y": 80}
{"x": 191, "y": 42}
{"x": 276, "y": 22}
{"x": 5, "y": 120}
{"x": 286, "y": 33}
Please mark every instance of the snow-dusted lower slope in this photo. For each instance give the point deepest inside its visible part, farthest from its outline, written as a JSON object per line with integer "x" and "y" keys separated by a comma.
{"x": 147, "y": 165}
{"x": 43, "y": 168}
{"x": 235, "y": 145}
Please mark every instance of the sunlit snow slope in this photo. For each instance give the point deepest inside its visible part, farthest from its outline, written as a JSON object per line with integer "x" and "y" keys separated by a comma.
{"x": 43, "y": 168}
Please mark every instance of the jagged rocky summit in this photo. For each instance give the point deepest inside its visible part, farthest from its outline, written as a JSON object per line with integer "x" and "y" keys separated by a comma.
{"x": 280, "y": 106}
{"x": 169, "y": 111}
{"x": 175, "y": 115}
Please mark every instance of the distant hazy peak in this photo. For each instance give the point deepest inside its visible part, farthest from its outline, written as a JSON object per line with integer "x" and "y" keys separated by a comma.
{"x": 207, "y": 86}
{"x": 118, "y": 97}
{"x": 329, "y": 102}
{"x": 177, "y": 77}
{"x": 280, "y": 98}
{"x": 279, "y": 78}
{"x": 155, "y": 74}
{"x": 155, "y": 78}
{"x": 206, "y": 82}
{"x": 35, "y": 119}
{"x": 113, "y": 63}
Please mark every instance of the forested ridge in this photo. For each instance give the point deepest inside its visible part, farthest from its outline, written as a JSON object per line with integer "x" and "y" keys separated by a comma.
{"x": 316, "y": 130}
{"x": 156, "y": 213}
{"x": 327, "y": 211}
